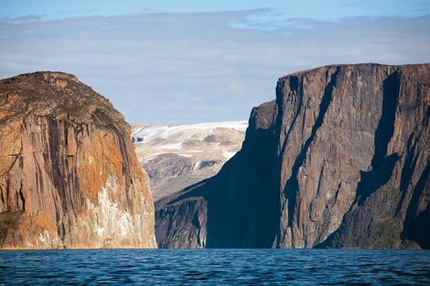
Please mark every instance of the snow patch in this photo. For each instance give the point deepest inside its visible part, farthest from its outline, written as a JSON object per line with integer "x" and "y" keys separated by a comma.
{"x": 173, "y": 146}
{"x": 186, "y": 155}
{"x": 197, "y": 165}
{"x": 228, "y": 154}
{"x": 149, "y": 133}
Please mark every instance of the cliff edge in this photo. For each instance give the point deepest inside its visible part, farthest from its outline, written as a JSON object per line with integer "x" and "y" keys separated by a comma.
{"x": 69, "y": 176}
{"x": 340, "y": 159}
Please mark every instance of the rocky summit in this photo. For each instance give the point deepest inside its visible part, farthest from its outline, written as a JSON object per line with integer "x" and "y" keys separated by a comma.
{"x": 69, "y": 176}
{"x": 340, "y": 159}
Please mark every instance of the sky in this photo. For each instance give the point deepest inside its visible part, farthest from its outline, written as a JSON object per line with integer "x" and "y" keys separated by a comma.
{"x": 189, "y": 61}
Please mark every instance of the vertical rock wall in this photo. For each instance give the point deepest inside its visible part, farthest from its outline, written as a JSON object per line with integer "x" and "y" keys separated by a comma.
{"x": 340, "y": 159}
{"x": 69, "y": 177}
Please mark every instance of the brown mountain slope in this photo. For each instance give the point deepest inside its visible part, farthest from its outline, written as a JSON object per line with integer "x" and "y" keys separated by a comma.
{"x": 340, "y": 159}
{"x": 178, "y": 156}
{"x": 69, "y": 176}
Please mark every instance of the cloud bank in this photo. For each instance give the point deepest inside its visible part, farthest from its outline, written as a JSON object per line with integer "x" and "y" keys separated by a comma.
{"x": 200, "y": 67}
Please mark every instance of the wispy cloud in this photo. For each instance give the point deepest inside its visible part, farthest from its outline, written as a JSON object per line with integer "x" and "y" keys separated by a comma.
{"x": 199, "y": 67}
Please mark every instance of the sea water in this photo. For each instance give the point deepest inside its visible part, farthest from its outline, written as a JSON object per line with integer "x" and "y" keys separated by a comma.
{"x": 215, "y": 267}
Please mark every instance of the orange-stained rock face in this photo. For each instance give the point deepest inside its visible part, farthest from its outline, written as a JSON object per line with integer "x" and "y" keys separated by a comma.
{"x": 69, "y": 177}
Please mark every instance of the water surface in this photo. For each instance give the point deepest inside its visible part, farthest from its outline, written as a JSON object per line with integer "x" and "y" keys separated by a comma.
{"x": 215, "y": 267}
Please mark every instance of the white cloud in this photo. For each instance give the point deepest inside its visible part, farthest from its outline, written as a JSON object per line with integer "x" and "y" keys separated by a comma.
{"x": 235, "y": 87}
{"x": 178, "y": 68}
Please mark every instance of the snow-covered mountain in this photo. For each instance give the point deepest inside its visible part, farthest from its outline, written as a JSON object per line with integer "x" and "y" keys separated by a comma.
{"x": 178, "y": 156}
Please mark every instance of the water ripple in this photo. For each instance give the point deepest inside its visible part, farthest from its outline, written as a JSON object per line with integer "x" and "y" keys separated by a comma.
{"x": 215, "y": 266}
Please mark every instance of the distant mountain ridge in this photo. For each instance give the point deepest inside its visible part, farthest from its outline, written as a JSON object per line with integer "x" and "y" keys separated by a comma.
{"x": 340, "y": 159}
{"x": 177, "y": 156}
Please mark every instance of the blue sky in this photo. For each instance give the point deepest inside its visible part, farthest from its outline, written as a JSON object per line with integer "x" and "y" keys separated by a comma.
{"x": 187, "y": 62}
{"x": 313, "y": 9}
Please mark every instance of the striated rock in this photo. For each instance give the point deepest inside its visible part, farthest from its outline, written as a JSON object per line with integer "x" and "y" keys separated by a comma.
{"x": 340, "y": 159}
{"x": 238, "y": 213}
{"x": 354, "y": 139}
{"x": 69, "y": 176}
{"x": 182, "y": 224}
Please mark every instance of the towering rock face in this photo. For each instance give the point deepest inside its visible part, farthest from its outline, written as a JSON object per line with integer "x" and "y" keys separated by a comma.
{"x": 340, "y": 159}
{"x": 69, "y": 176}
{"x": 354, "y": 151}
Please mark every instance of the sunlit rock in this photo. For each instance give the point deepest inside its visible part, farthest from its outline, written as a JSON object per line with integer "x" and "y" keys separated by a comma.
{"x": 69, "y": 176}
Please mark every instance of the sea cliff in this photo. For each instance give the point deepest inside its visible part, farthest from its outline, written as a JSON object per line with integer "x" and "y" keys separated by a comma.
{"x": 340, "y": 159}
{"x": 69, "y": 176}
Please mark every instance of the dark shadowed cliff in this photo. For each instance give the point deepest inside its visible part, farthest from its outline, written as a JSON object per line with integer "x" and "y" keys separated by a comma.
{"x": 341, "y": 158}
{"x": 69, "y": 176}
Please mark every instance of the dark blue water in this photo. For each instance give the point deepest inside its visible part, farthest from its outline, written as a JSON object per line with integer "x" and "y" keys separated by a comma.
{"x": 215, "y": 267}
